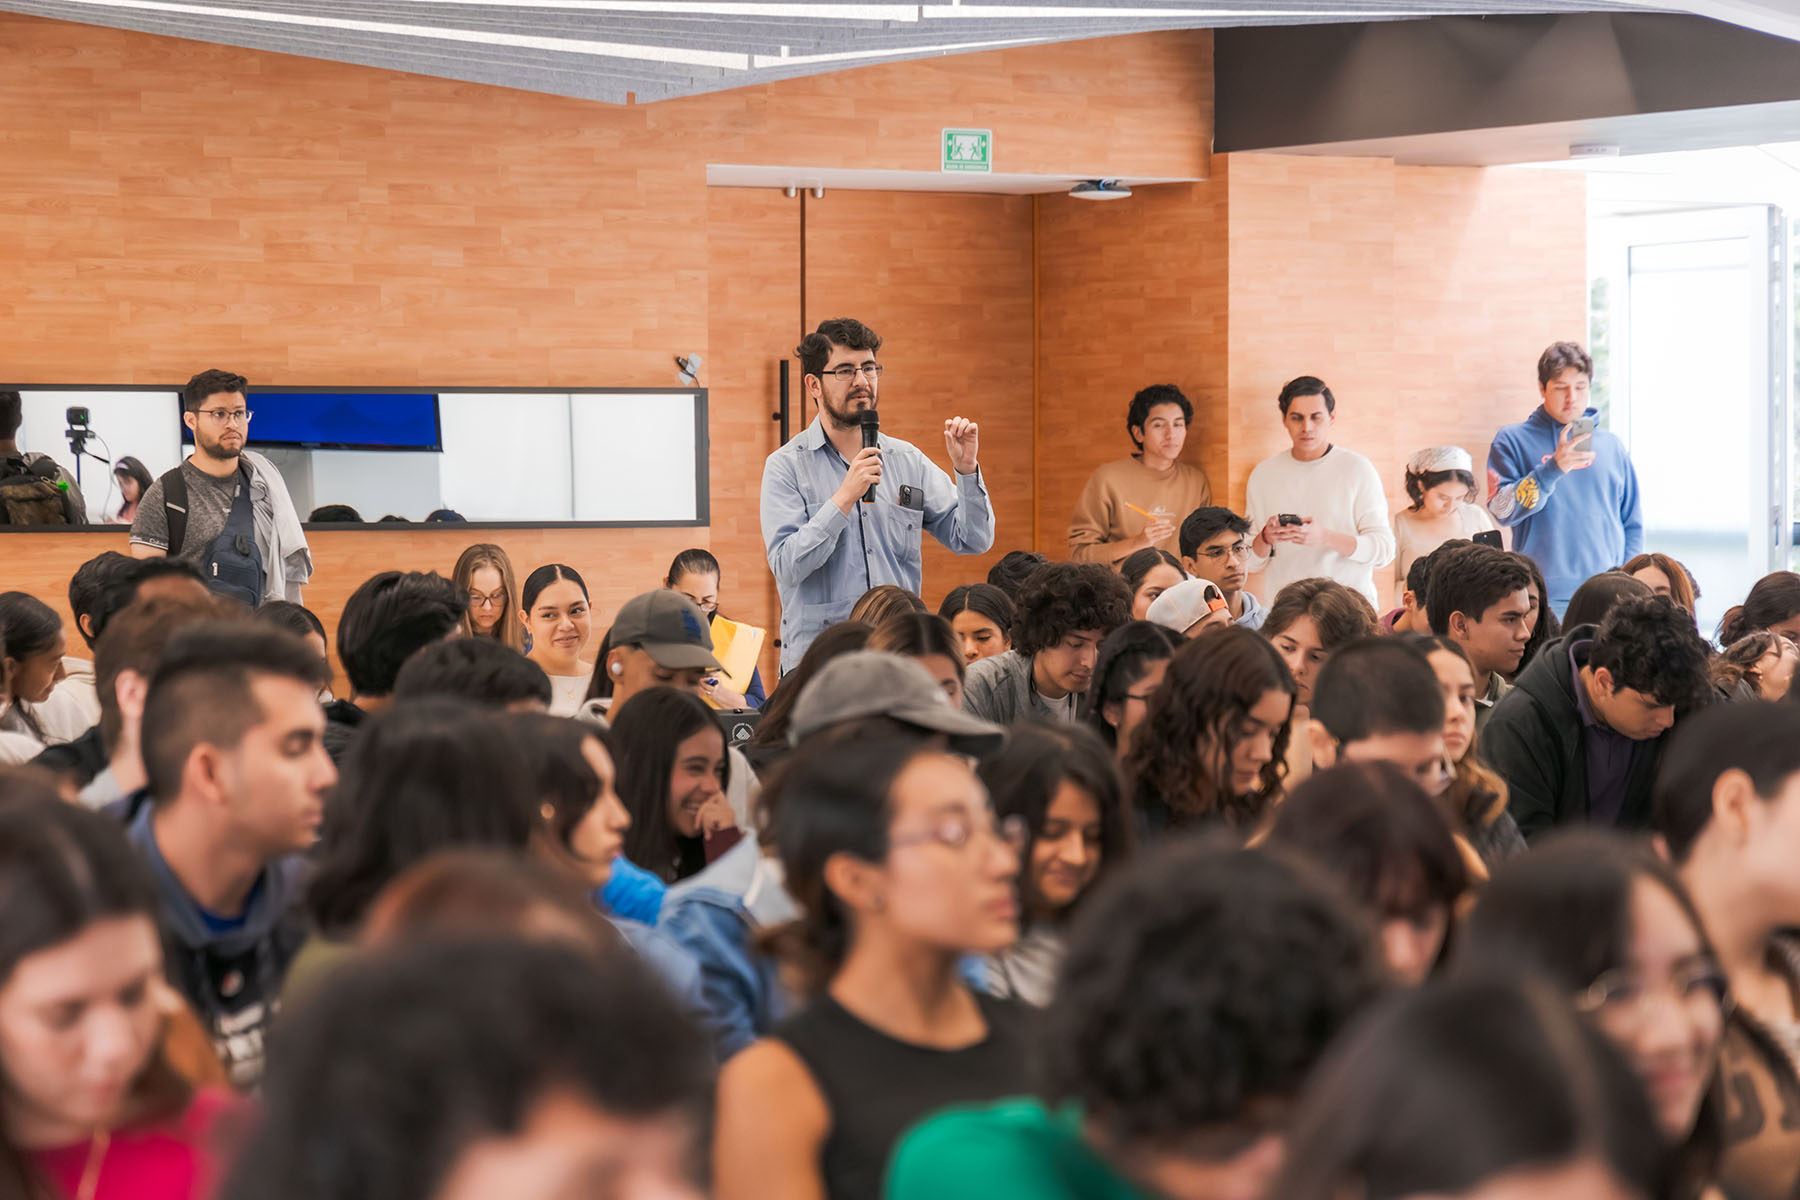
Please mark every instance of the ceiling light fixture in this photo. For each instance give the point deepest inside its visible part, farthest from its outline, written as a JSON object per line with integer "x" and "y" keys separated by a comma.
{"x": 1100, "y": 189}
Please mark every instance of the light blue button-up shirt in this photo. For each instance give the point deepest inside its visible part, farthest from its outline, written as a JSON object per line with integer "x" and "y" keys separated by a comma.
{"x": 824, "y": 561}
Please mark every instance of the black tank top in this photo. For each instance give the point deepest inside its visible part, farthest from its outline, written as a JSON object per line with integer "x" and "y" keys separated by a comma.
{"x": 878, "y": 1087}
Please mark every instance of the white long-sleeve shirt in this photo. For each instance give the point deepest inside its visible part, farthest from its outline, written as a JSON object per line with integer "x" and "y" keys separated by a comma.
{"x": 1340, "y": 491}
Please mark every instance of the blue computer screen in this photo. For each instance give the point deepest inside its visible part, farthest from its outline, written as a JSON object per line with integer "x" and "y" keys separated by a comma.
{"x": 343, "y": 420}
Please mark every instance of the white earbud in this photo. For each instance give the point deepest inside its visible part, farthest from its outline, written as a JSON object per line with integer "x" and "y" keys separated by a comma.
{"x": 616, "y": 669}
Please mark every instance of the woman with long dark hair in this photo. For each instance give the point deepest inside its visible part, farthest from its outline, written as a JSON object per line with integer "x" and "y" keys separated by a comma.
{"x": 1773, "y": 604}
{"x": 928, "y": 641}
{"x": 1610, "y": 925}
{"x": 1061, "y": 781}
{"x": 134, "y": 480}
{"x": 1127, "y": 672}
{"x": 1475, "y": 800}
{"x": 981, "y": 617}
{"x": 554, "y": 609}
{"x": 673, "y": 773}
{"x": 485, "y": 571}
{"x": 1149, "y": 573}
{"x": 424, "y": 776}
{"x": 1212, "y": 746}
{"x": 900, "y": 869}
{"x": 569, "y": 764}
{"x": 1309, "y": 619}
{"x": 93, "y": 1108}
{"x": 32, "y": 642}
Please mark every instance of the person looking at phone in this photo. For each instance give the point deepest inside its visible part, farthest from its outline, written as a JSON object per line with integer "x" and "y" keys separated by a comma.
{"x": 825, "y": 544}
{"x": 1318, "y": 510}
{"x": 1440, "y": 481}
{"x": 1565, "y": 488}
{"x": 1133, "y": 503}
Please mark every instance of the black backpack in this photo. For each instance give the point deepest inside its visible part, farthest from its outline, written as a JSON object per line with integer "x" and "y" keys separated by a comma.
{"x": 31, "y": 494}
{"x": 233, "y": 564}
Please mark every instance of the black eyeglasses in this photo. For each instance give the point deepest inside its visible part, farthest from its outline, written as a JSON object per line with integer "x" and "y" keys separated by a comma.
{"x": 847, "y": 372}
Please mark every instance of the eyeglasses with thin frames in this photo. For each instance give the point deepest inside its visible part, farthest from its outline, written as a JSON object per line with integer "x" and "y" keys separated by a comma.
{"x": 479, "y": 600}
{"x": 226, "y": 416}
{"x": 955, "y": 831}
{"x": 1220, "y": 553}
{"x": 848, "y": 371}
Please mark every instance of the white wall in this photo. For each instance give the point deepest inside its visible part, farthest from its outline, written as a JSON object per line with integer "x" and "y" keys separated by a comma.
{"x": 507, "y": 456}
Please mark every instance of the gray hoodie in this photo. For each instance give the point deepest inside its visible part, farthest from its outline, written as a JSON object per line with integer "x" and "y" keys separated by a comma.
{"x": 231, "y": 973}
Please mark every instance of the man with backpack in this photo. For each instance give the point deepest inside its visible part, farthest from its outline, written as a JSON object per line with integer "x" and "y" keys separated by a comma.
{"x": 225, "y": 509}
{"x": 34, "y": 489}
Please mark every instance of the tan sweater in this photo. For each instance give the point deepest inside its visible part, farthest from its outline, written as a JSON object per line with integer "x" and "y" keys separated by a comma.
{"x": 1104, "y": 518}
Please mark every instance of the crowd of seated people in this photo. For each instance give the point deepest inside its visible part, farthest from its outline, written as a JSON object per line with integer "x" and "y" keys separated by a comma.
{"x": 1098, "y": 879}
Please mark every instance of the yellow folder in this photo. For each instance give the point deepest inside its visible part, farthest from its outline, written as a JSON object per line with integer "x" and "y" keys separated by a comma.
{"x": 737, "y": 648}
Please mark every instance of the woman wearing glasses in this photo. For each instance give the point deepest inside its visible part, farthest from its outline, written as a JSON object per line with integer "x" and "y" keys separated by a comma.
{"x": 486, "y": 573}
{"x": 1611, "y": 926}
{"x": 899, "y": 865}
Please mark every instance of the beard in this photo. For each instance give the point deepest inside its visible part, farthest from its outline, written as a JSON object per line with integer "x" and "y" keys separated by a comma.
{"x": 848, "y": 416}
{"x": 217, "y": 448}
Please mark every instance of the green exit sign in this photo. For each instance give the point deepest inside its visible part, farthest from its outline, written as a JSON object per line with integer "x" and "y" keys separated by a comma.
{"x": 969, "y": 150}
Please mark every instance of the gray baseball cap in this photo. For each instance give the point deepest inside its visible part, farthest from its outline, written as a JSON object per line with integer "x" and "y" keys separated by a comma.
{"x": 868, "y": 683}
{"x": 668, "y": 627}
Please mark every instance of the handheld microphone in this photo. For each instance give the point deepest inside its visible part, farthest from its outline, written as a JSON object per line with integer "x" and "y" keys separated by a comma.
{"x": 871, "y": 429}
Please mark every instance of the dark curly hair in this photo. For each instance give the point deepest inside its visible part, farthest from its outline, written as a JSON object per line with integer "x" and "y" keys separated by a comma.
{"x": 1471, "y": 581}
{"x": 814, "y": 350}
{"x": 1205, "y": 979}
{"x": 1062, "y": 598}
{"x": 1149, "y": 398}
{"x": 1341, "y": 614}
{"x": 1774, "y": 599}
{"x": 1124, "y": 656}
{"x": 1420, "y": 482}
{"x": 1650, "y": 646}
{"x": 1209, "y": 690}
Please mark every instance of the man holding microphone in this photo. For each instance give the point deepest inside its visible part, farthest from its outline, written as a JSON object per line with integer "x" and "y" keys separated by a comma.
{"x": 826, "y": 543}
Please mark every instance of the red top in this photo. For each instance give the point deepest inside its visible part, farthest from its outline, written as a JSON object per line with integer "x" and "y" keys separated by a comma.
{"x": 168, "y": 1160}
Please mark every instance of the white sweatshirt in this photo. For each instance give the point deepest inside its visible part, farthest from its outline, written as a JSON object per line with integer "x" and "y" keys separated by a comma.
{"x": 1340, "y": 491}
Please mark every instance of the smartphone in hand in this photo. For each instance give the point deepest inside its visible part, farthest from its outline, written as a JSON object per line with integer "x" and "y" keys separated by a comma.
{"x": 1581, "y": 434}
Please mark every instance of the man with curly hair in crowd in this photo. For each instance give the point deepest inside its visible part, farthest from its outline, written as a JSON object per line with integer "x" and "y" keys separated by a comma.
{"x": 1062, "y": 613}
{"x": 1578, "y": 738}
{"x": 1197, "y": 995}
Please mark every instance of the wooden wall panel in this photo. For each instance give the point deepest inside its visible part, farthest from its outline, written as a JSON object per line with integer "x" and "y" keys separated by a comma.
{"x": 1130, "y": 293}
{"x": 753, "y": 240}
{"x": 617, "y": 564}
{"x": 946, "y": 281}
{"x": 1139, "y": 105}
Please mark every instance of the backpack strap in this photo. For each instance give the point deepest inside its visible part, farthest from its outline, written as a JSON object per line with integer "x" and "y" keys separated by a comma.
{"x": 175, "y": 507}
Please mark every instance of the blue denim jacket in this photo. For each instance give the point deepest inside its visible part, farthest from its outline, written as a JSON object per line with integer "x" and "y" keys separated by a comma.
{"x": 716, "y": 917}
{"x": 823, "y": 560}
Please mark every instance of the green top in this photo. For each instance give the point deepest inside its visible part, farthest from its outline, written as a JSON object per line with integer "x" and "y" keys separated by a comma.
{"x": 1011, "y": 1150}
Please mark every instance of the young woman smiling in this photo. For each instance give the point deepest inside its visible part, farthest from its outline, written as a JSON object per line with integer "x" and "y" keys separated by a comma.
{"x": 554, "y": 609}
{"x": 1061, "y": 781}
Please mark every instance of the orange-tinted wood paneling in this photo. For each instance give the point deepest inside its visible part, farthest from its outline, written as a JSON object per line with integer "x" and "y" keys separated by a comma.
{"x": 1139, "y": 105}
{"x": 946, "y": 281}
{"x": 1131, "y": 293}
{"x": 753, "y": 239}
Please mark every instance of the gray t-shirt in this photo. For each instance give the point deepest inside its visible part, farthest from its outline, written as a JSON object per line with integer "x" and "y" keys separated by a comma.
{"x": 209, "y": 503}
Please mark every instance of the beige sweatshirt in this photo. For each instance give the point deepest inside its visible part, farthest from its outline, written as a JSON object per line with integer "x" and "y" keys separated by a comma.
{"x": 1104, "y": 518}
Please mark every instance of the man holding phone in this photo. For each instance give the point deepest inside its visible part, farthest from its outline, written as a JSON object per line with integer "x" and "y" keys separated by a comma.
{"x": 1565, "y": 487}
